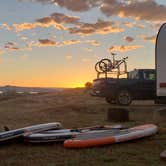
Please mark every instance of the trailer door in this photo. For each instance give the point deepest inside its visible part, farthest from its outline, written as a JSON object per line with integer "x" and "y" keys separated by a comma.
{"x": 160, "y": 54}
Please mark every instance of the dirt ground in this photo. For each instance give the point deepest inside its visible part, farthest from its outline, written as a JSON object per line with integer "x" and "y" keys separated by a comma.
{"x": 75, "y": 108}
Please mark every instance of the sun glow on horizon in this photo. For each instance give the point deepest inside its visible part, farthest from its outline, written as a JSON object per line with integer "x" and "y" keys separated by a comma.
{"x": 77, "y": 84}
{"x": 59, "y": 45}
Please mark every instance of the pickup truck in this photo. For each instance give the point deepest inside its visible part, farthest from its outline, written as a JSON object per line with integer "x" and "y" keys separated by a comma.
{"x": 139, "y": 85}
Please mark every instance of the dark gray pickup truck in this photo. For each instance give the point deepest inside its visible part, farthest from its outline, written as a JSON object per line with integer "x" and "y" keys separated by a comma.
{"x": 139, "y": 85}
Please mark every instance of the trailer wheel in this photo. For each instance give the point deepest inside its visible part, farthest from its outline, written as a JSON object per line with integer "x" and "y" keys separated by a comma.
{"x": 124, "y": 97}
{"x": 110, "y": 100}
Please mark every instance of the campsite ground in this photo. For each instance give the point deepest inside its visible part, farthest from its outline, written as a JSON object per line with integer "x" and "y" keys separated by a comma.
{"x": 75, "y": 108}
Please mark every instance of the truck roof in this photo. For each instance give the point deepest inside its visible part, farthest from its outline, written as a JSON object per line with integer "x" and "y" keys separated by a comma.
{"x": 143, "y": 69}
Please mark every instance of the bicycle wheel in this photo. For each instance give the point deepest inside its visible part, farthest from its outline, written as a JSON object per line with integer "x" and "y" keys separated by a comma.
{"x": 105, "y": 65}
{"x": 97, "y": 67}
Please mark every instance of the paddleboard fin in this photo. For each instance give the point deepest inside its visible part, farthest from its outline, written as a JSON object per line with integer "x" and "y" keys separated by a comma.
{"x": 6, "y": 128}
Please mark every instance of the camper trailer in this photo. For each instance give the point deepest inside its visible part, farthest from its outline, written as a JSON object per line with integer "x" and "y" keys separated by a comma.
{"x": 160, "y": 54}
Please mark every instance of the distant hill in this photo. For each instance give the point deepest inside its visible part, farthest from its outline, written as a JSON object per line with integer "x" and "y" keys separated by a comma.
{"x": 18, "y": 89}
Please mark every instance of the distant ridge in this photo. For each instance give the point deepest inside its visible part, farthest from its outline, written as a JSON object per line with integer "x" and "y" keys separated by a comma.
{"x": 18, "y": 89}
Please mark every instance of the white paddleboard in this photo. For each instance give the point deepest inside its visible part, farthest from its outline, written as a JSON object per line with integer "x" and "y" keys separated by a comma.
{"x": 7, "y": 135}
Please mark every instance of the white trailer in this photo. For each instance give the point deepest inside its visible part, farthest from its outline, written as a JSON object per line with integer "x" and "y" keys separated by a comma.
{"x": 160, "y": 58}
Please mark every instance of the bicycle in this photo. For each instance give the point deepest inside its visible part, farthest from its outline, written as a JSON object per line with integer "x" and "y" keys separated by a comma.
{"x": 107, "y": 65}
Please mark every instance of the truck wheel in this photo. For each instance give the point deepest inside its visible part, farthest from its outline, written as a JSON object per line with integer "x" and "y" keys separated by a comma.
{"x": 124, "y": 97}
{"x": 110, "y": 100}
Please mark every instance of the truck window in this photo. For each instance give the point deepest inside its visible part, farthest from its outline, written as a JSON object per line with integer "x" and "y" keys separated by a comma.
{"x": 133, "y": 75}
{"x": 148, "y": 75}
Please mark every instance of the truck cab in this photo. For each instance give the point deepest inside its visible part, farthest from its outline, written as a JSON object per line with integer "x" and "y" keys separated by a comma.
{"x": 145, "y": 83}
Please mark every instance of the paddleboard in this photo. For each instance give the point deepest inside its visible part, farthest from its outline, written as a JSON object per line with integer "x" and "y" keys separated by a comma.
{"x": 64, "y": 134}
{"x": 110, "y": 136}
{"x": 49, "y": 137}
{"x": 7, "y": 135}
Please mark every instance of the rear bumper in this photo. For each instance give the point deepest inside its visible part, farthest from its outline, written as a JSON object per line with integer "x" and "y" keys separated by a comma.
{"x": 102, "y": 93}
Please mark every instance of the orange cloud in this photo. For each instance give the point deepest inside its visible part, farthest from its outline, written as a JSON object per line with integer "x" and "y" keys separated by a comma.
{"x": 140, "y": 26}
{"x": 50, "y": 43}
{"x": 93, "y": 42}
{"x": 150, "y": 38}
{"x": 29, "y": 26}
{"x": 124, "y": 48}
{"x": 24, "y": 38}
{"x": 100, "y": 27}
{"x": 128, "y": 24}
{"x": 55, "y": 20}
{"x": 7, "y": 27}
{"x": 70, "y": 42}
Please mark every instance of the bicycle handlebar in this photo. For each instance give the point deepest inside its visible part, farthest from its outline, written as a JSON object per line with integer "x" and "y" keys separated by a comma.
{"x": 125, "y": 58}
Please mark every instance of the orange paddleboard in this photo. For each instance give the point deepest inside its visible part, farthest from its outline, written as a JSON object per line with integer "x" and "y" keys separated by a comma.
{"x": 110, "y": 136}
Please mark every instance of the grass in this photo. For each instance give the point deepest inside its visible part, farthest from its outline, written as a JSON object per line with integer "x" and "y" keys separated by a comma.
{"x": 75, "y": 108}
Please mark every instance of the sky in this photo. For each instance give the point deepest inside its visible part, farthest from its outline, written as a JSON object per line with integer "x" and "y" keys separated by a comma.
{"x": 56, "y": 43}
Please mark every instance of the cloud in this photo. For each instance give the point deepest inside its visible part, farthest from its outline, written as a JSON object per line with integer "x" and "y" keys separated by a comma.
{"x": 100, "y": 27}
{"x": 61, "y": 18}
{"x": 45, "y": 43}
{"x": 140, "y": 26}
{"x": 56, "y": 20}
{"x": 24, "y": 38}
{"x": 129, "y": 39}
{"x": 11, "y": 46}
{"x": 29, "y": 26}
{"x": 123, "y": 48}
{"x": 148, "y": 10}
{"x": 50, "y": 43}
{"x": 7, "y": 27}
{"x": 70, "y": 42}
{"x": 128, "y": 24}
{"x": 93, "y": 42}
{"x": 150, "y": 38}
{"x": 73, "y": 5}
{"x": 157, "y": 25}
{"x": 143, "y": 10}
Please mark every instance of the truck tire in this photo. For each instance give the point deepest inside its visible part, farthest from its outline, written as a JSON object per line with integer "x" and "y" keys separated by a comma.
{"x": 110, "y": 100}
{"x": 124, "y": 97}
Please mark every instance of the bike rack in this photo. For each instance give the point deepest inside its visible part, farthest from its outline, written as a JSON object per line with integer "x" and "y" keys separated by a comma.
{"x": 108, "y": 66}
